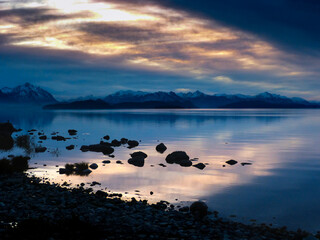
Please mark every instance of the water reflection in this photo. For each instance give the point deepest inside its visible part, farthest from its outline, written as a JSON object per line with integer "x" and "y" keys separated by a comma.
{"x": 282, "y": 181}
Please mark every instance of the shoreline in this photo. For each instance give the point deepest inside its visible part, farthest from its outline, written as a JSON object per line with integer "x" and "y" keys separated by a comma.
{"x": 69, "y": 213}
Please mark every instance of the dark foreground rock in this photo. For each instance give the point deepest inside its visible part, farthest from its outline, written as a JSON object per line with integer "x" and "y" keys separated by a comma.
{"x": 41, "y": 210}
{"x": 6, "y": 141}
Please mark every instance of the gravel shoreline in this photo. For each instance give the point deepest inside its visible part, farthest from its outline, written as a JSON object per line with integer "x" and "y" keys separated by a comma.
{"x": 33, "y": 209}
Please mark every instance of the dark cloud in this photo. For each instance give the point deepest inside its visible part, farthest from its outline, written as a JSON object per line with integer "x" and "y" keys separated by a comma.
{"x": 290, "y": 24}
{"x": 119, "y": 32}
{"x": 27, "y": 16}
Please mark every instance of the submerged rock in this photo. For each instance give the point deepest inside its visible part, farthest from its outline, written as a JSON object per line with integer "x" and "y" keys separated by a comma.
{"x": 107, "y": 137}
{"x": 244, "y": 164}
{"x": 232, "y": 162}
{"x": 124, "y": 140}
{"x": 161, "y": 148}
{"x": 200, "y": 166}
{"x": 86, "y": 171}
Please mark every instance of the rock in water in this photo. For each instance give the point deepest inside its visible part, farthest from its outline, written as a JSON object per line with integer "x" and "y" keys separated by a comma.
{"x": 72, "y": 132}
{"x": 116, "y": 143}
{"x": 71, "y": 147}
{"x": 93, "y": 166}
{"x": 40, "y": 149}
{"x": 102, "y": 147}
{"x": 199, "y": 210}
{"x": 43, "y": 137}
{"x": 177, "y": 157}
{"x": 185, "y": 163}
{"x": 161, "y": 148}
{"x": 136, "y": 161}
{"x": 231, "y": 162}
{"x": 86, "y": 172}
{"x": 200, "y": 166}
{"x": 245, "y": 164}
{"x": 139, "y": 154}
{"x": 133, "y": 143}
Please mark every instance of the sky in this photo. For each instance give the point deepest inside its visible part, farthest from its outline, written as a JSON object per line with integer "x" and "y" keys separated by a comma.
{"x": 81, "y": 47}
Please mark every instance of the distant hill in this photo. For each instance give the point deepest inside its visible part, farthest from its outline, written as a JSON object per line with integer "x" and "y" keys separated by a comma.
{"x": 100, "y": 104}
{"x": 30, "y": 94}
{"x": 26, "y": 94}
{"x": 86, "y": 104}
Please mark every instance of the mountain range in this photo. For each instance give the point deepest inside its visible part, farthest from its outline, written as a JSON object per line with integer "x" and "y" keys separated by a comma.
{"x": 31, "y": 94}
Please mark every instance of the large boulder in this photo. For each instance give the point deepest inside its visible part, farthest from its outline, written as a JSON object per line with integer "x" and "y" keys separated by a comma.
{"x": 161, "y": 148}
{"x": 6, "y": 129}
{"x": 199, "y": 210}
{"x": 6, "y": 141}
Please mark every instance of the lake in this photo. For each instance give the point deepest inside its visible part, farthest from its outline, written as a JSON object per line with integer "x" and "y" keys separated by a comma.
{"x": 281, "y": 187}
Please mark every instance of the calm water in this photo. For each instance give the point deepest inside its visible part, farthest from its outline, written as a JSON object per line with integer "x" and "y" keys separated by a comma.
{"x": 282, "y": 186}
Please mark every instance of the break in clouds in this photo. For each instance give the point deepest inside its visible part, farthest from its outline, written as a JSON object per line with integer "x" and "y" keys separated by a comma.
{"x": 149, "y": 39}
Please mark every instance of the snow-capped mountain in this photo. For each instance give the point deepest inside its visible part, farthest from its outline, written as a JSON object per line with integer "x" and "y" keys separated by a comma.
{"x": 201, "y": 100}
{"x": 195, "y": 94}
{"x": 26, "y": 94}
